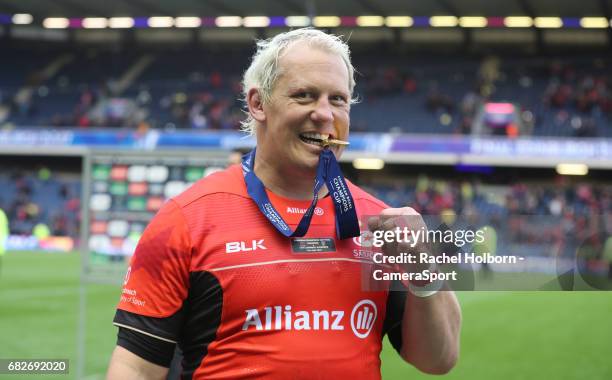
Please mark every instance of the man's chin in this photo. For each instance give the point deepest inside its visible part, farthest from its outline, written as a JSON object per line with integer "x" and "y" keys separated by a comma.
{"x": 311, "y": 165}
{"x": 308, "y": 165}
{"x": 310, "y": 160}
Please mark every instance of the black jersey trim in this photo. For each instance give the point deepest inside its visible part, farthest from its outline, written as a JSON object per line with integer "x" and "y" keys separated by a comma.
{"x": 167, "y": 328}
{"x": 145, "y": 346}
{"x": 143, "y": 332}
{"x": 203, "y": 308}
{"x": 392, "y": 326}
{"x": 194, "y": 326}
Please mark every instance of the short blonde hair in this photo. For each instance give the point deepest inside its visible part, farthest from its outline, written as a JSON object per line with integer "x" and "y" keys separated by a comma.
{"x": 264, "y": 70}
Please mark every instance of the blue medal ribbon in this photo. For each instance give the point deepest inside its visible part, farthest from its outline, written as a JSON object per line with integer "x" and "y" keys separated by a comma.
{"x": 328, "y": 173}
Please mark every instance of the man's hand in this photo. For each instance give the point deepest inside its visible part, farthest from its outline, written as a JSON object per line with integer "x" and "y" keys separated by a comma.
{"x": 405, "y": 221}
{"x": 431, "y": 325}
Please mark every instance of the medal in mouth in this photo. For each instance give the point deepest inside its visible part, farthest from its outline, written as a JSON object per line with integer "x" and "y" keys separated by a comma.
{"x": 335, "y": 142}
{"x": 321, "y": 139}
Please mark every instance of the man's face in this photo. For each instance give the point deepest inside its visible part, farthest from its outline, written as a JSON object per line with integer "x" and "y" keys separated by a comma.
{"x": 310, "y": 101}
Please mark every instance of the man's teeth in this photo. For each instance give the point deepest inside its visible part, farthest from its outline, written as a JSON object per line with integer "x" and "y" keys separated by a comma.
{"x": 316, "y": 136}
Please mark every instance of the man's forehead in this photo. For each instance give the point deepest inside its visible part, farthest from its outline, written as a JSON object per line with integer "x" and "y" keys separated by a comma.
{"x": 299, "y": 55}
{"x": 302, "y": 50}
{"x": 296, "y": 46}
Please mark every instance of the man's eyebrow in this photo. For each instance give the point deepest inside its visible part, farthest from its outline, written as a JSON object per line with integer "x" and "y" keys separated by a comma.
{"x": 309, "y": 87}
{"x": 301, "y": 86}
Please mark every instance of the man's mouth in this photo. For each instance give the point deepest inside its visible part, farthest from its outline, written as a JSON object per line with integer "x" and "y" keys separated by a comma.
{"x": 314, "y": 138}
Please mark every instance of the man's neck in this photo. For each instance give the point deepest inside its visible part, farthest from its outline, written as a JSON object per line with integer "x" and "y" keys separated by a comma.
{"x": 288, "y": 184}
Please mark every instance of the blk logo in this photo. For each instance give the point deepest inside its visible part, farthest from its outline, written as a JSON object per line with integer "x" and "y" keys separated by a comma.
{"x": 242, "y": 246}
{"x": 363, "y": 318}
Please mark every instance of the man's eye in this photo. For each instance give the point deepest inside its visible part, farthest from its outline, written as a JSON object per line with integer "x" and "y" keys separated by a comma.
{"x": 303, "y": 95}
{"x": 339, "y": 99}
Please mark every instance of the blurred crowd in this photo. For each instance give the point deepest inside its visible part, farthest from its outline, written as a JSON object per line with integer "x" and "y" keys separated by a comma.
{"x": 559, "y": 214}
{"x": 433, "y": 196}
{"x": 566, "y": 210}
{"x": 580, "y": 95}
{"x": 43, "y": 201}
{"x": 566, "y": 97}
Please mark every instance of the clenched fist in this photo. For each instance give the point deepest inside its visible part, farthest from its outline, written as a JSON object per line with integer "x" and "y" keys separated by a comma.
{"x": 403, "y": 230}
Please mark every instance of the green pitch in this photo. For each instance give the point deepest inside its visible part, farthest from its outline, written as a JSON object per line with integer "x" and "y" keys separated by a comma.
{"x": 538, "y": 335}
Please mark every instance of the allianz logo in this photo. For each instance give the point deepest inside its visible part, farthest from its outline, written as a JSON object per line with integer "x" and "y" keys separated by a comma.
{"x": 275, "y": 318}
{"x": 298, "y": 210}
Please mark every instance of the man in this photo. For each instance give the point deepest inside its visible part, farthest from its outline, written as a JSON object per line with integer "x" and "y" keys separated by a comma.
{"x": 256, "y": 279}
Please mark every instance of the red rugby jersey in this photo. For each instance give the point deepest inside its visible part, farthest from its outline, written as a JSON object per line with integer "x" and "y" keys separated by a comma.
{"x": 212, "y": 274}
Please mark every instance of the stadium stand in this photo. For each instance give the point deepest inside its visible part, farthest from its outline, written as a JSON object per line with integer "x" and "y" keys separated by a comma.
{"x": 33, "y": 197}
{"x": 562, "y": 96}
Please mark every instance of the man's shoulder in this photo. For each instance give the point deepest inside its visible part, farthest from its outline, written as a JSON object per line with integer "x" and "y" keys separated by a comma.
{"x": 228, "y": 181}
{"x": 362, "y": 197}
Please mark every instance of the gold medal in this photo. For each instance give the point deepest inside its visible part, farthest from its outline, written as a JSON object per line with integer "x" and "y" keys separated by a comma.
{"x": 329, "y": 142}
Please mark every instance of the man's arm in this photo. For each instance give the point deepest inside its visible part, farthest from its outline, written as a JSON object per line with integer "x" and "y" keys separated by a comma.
{"x": 150, "y": 312}
{"x": 430, "y": 332}
{"x": 430, "y": 325}
{"x": 126, "y": 365}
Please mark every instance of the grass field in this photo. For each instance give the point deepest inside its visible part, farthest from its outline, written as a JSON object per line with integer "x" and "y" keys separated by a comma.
{"x": 506, "y": 335}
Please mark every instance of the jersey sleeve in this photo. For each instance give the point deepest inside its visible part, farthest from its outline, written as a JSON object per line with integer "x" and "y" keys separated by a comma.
{"x": 151, "y": 349}
{"x": 157, "y": 280}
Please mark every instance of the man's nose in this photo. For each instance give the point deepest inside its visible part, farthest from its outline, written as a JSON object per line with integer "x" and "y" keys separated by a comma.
{"x": 323, "y": 112}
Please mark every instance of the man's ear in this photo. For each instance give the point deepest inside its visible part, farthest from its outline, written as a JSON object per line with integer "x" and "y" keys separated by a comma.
{"x": 255, "y": 104}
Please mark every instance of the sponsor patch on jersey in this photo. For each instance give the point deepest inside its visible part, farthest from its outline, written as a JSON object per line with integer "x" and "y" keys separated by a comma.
{"x": 278, "y": 318}
{"x": 364, "y": 239}
{"x": 313, "y": 245}
{"x": 244, "y": 246}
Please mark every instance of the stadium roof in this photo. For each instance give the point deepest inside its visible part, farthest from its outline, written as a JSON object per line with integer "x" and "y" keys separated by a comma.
{"x": 135, "y": 8}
